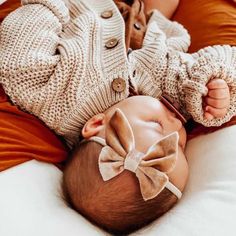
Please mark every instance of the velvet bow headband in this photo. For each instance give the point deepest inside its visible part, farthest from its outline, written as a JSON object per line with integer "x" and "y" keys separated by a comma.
{"x": 151, "y": 168}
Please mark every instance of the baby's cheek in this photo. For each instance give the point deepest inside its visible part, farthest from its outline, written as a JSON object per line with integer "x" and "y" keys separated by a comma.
{"x": 182, "y": 138}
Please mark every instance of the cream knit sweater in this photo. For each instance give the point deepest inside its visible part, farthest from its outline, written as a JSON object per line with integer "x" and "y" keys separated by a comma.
{"x": 55, "y": 63}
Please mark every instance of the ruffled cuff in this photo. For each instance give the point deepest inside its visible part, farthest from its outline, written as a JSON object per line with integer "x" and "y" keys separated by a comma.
{"x": 204, "y": 69}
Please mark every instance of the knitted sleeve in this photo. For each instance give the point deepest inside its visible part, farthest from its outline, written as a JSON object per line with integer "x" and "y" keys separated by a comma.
{"x": 161, "y": 71}
{"x": 177, "y": 37}
{"x": 208, "y": 67}
{"x": 29, "y": 55}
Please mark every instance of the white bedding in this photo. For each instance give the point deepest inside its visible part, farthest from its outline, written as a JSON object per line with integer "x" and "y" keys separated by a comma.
{"x": 30, "y": 202}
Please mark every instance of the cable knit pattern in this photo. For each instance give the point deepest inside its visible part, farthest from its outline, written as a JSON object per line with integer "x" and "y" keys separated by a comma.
{"x": 54, "y": 63}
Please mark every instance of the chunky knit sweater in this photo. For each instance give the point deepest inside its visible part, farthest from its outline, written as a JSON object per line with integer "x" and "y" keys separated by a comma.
{"x": 67, "y": 63}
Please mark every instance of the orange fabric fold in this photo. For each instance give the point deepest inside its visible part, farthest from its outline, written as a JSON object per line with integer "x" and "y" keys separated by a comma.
{"x": 23, "y": 137}
{"x": 209, "y": 22}
{"x": 8, "y": 7}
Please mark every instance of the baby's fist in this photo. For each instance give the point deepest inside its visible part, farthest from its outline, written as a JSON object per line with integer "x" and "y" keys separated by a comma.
{"x": 217, "y": 100}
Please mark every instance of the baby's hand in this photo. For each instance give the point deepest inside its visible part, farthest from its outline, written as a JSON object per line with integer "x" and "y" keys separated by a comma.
{"x": 217, "y": 100}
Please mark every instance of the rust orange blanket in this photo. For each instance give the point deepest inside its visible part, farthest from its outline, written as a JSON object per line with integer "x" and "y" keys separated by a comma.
{"x": 23, "y": 137}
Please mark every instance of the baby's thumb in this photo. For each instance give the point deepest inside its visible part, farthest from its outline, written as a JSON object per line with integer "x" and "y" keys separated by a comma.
{"x": 208, "y": 116}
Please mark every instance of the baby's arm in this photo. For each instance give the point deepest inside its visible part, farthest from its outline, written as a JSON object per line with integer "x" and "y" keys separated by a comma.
{"x": 210, "y": 90}
{"x": 29, "y": 49}
{"x": 167, "y": 7}
{"x": 177, "y": 37}
{"x": 217, "y": 100}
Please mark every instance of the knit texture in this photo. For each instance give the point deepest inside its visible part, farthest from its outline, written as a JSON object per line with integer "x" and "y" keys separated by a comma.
{"x": 54, "y": 63}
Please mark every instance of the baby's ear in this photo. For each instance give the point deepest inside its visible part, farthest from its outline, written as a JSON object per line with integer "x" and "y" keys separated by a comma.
{"x": 93, "y": 126}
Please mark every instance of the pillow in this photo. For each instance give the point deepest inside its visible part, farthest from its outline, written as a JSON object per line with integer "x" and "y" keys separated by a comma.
{"x": 31, "y": 202}
{"x": 208, "y": 206}
{"x": 209, "y": 22}
{"x": 7, "y": 7}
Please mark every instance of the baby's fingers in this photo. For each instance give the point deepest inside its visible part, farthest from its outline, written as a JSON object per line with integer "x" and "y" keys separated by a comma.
{"x": 218, "y": 93}
{"x": 217, "y": 84}
{"x": 208, "y": 116}
{"x": 217, "y": 103}
{"x": 216, "y": 112}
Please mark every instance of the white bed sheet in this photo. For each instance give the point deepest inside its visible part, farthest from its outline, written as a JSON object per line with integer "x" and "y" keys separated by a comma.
{"x": 31, "y": 205}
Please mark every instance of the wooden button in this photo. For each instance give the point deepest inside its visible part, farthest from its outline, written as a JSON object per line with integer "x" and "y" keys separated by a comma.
{"x": 107, "y": 14}
{"x": 118, "y": 85}
{"x": 137, "y": 26}
{"x": 111, "y": 43}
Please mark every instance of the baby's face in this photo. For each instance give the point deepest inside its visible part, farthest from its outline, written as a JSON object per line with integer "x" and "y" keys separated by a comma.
{"x": 150, "y": 121}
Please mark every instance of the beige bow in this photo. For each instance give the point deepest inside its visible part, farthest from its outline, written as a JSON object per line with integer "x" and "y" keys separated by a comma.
{"x": 150, "y": 168}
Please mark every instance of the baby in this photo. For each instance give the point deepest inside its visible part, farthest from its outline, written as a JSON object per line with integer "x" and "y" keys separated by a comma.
{"x": 76, "y": 66}
{"x": 98, "y": 180}
{"x": 150, "y": 142}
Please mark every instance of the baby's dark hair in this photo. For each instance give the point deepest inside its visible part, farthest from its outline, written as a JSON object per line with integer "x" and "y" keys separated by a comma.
{"x": 115, "y": 205}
